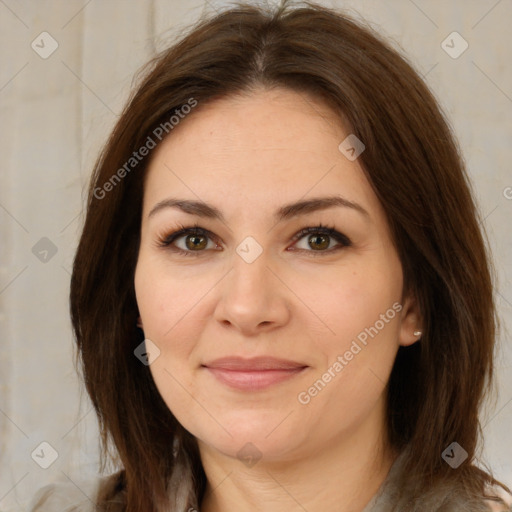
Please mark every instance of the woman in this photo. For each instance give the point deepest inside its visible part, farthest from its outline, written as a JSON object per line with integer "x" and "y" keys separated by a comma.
{"x": 281, "y": 295}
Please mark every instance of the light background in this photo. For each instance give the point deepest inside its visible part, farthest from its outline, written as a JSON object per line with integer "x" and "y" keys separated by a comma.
{"x": 55, "y": 114}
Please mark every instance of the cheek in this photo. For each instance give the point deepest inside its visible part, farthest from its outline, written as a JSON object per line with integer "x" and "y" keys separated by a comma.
{"x": 362, "y": 310}
{"x": 357, "y": 298}
{"x": 166, "y": 299}
{"x": 166, "y": 305}
{"x": 364, "y": 313}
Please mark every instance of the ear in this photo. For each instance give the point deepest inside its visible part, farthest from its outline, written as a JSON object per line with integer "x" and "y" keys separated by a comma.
{"x": 139, "y": 322}
{"x": 411, "y": 323}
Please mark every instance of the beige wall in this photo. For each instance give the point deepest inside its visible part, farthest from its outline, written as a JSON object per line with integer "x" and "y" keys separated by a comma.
{"x": 55, "y": 112}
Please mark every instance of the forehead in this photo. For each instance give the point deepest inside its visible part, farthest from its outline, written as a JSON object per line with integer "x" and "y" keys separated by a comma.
{"x": 256, "y": 151}
{"x": 263, "y": 120}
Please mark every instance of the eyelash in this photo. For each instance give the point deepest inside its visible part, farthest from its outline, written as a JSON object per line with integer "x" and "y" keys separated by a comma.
{"x": 167, "y": 240}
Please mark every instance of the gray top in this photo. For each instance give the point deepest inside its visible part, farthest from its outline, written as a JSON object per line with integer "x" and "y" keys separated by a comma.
{"x": 391, "y": 497}
{"x": 68, "y": 497}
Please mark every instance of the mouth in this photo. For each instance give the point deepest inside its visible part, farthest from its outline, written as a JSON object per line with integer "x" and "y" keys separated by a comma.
{"x": 253, "y": 374}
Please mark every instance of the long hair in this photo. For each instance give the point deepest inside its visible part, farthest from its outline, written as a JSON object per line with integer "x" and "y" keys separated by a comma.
{"x": 413, "y": 164}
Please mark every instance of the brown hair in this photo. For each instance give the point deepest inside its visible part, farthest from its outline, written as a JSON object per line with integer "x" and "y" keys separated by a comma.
{"x": 411, "y": 160}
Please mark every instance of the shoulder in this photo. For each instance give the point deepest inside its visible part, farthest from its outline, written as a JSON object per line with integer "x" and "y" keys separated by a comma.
{"x": 67, "y": 496}
{"x": 449, "y": 499}
{"x": 495, "y": 499}
{"x": 495, "y": 506}
{"x": 402, "y": 494}
{"x": 457, "y": 498}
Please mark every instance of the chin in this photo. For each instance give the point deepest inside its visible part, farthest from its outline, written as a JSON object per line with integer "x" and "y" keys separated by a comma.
{"x": 254, "y": 436}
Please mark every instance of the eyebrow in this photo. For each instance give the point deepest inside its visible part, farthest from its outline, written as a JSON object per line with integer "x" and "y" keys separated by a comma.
{"x": 202, "y": 209}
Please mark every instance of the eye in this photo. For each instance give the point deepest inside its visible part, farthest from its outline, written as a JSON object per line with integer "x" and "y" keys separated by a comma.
{"x": 196, "y": 240}
{"x": 319, "y": 240}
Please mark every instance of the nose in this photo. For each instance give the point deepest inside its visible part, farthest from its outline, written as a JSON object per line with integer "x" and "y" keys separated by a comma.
{"x": 253, "y": 297}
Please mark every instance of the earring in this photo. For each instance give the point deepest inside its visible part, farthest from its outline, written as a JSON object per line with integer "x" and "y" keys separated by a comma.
{"x": 417, "y": 333}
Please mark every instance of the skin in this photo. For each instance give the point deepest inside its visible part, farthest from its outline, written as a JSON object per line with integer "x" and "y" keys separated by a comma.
{"x": 281, "y": 146}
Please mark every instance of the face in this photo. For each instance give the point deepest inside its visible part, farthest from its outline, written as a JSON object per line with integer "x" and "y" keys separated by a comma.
{"x": 268, "y": 334}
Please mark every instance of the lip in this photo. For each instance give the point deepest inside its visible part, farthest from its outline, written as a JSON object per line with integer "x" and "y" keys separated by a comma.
{"x": 253, "y": 374}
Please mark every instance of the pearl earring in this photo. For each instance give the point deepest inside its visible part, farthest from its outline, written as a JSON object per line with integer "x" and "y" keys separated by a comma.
{"x": 417, "y": 333}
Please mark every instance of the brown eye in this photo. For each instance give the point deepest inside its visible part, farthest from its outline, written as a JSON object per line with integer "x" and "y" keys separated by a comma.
{"x": 319, "y": 240}
{"x": 196, "y": 242}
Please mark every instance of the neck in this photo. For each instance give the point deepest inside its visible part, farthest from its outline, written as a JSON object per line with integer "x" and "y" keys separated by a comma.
{"x": 342, "y": 476}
